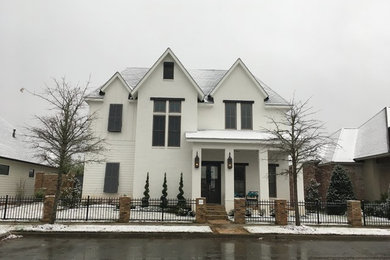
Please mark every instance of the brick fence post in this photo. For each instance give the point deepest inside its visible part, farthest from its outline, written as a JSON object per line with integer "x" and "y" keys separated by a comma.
{"x": 280, "y": 212}
{"x": 239, "y": 211}
{"x": 354, "y": 213}
{"x": 48, "y": 204}
{"x": 201, "y": 210}
{"x": 124, "y": 209}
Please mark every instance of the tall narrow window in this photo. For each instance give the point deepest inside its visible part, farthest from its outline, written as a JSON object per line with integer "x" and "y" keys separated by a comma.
{"x": 230, "y": 115}
{"x": 174, "y": 123}
{"x": 272, "y": 180}
{"x": 168, "y": 70}
{"x": 111, "y": 178}
{"x": 246, "y": 116}
{"x": 115, "y": 118}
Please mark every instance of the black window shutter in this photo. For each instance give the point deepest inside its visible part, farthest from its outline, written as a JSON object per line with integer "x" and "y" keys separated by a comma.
{"x": 111, "y": 179}
{"x": 174, "y": 131}
{"x": 115, "y": 118}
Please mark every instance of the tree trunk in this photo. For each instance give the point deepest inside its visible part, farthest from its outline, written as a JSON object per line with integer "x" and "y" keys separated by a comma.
{"x": 296, "y": 208}
{"x": 56, "y": 198}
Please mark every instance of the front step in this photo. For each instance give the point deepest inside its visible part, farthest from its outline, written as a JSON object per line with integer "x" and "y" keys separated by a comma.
{"x": 216, "y": 213}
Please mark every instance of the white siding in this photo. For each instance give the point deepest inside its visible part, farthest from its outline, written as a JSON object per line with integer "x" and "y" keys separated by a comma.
{"x": 18, "y": 173}
{"x": 120, "y": 147}
{"x": 158, "y": 160}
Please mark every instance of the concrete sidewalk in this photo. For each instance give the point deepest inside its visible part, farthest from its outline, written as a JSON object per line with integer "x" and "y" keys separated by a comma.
{"x": 223, "y": 230}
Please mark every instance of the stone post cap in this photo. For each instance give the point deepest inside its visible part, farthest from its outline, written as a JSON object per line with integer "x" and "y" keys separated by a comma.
{"x": 355, "y": 201}
{"x": 50, "y": 196}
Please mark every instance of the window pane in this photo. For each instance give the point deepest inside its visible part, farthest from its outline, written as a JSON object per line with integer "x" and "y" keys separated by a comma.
{"x": 246, "y": 116}
{"x": 272, "y": 180}
{"x": 230, "y": 115}
{"x": 31, "y": 173}
{"x": 4, "y": 169}
{"x": 239, "y": 181}
{"x": 158, "y": 131}
{"x": 168, "y": 70}
{"x": 159, "y": 106}
{"x": 174, "y": 131}
{"x": 174, "y": 106}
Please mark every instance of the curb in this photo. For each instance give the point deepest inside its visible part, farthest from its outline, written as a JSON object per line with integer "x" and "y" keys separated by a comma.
{"x": 183, "y": 235}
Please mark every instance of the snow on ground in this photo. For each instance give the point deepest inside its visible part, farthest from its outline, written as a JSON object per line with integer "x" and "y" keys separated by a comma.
{"x": 113, "y": 228}
{"x": 4, "y": 229}
{"x": 306, "y": 230}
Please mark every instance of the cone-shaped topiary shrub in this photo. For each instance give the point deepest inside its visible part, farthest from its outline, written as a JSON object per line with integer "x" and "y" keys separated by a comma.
{"x": 145, "y": 199}
{"x": 340, "y": 190}
{"x": 163, "y": 198}
{"x": 181, "y": 201}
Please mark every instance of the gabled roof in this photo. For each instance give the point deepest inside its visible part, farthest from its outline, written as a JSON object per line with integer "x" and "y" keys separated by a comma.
{"x": 232, "y": 68}
{"x": 117, "y": 75}
{"x": 207, "y": 80}
{"x": 168, "y": 52}
{"x": 15, "y": 148}
{"x": 369, "y": 140}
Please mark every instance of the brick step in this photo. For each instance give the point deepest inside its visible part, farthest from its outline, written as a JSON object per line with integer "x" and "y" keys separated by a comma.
{"x": 216, "y": 217}
{"x": 215, "y": 213}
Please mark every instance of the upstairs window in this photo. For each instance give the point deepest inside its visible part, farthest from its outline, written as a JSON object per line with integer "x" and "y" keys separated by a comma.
{"x": 230, "y": 115}
{"x": 168, "y": 70}
{"x": 246, "y": 116}
{"x": 166, "y": 123}
{"x": 115, "y": 118}
{"x": 4, "y": 169}
{"x": 31, "y": 173}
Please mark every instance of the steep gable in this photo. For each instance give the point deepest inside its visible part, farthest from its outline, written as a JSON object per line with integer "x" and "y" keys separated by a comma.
{"x": 234, "y": 67}
{"x": 168, "y": 53}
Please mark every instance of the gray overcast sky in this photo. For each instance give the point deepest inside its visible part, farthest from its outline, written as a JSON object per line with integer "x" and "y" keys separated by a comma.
{"x": 337, "y": 52}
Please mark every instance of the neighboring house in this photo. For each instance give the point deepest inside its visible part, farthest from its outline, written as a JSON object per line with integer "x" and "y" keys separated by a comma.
{"x": 18, "y": 167}
{"x": 364, "y": 152}
{"x": 204, "y": 123}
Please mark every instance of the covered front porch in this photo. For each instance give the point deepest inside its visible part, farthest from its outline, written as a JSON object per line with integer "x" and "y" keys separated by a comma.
{"x": 226, "y": 172}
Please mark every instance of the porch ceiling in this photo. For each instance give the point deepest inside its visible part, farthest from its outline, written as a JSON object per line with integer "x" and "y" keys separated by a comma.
{"x": 229, "y": 136}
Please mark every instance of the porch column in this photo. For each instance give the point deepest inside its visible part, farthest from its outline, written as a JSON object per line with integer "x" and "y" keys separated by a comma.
{"x": 196, "y": 172}
{"x": 263, "y": 174}
{"x": 300, "y": 186}
{"x": 229, "y": 181}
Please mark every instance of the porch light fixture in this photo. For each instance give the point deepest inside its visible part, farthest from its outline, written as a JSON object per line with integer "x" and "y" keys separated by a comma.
{"x": 196, "y": 162}
{"x": 229, "y": 162}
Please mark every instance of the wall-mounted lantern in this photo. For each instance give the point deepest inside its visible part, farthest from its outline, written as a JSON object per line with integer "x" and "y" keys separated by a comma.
{"x": 229, "y": 162}
{"x": 196, "y": 161}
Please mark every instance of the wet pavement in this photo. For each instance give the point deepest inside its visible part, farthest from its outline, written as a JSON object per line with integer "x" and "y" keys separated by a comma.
{"x": 192, "y": 248}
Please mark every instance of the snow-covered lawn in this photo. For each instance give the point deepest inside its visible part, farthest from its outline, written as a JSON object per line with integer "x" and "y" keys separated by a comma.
{"x": 114, "y": 228}
{"x": 305, "y": 230}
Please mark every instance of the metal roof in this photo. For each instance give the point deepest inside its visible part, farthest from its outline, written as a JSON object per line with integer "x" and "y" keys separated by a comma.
{"x": 207, "y": 79}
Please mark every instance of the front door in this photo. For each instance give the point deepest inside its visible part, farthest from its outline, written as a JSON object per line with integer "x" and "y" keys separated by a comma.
{"x": 211, "y": 182}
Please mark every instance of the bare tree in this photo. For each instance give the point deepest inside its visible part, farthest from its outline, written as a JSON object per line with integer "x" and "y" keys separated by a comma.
{"x": 300, "y": 136}
{"x": 64, "y": 137}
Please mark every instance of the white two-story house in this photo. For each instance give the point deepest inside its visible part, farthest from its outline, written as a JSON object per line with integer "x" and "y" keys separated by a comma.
{"x": 207, "y": 124}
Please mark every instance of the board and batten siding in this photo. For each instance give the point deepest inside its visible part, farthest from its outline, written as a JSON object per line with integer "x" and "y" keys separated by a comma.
{"x": 18, "y": 173}
{"x": 120, "y": 146}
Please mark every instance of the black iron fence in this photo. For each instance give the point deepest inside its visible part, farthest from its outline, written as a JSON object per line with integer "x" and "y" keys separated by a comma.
{"x": 88, "y": 209}
{"x": 319, "y": 212}
{"x": 153, "y": 210}
{"x": 14, "y": 208}
{"x": 376, "y": 213}
{"x": 260, "y": 211}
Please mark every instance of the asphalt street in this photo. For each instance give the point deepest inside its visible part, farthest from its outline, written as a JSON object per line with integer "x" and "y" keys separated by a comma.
{"x": 192, "y": 248}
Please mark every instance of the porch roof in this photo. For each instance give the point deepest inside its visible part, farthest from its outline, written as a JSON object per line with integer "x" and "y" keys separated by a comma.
{"x": 231, "y": 136}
